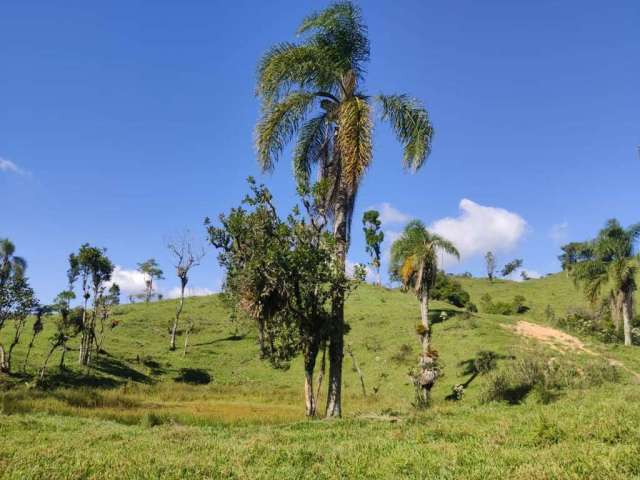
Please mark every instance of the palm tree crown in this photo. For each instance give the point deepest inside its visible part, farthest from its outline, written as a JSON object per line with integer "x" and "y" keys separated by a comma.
{"x": 9, "y": 263}
{"x": 313, "y": 90}
{"x": 414, "y": 259}
{"x": 611, "y": 269}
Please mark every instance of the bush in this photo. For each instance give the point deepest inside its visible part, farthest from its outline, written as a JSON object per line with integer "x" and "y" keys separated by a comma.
{"x": 546, "y": 378}
{"x": 516, "y": 306}
{"x": 586, "y": 322}
{"x": 450, "y": 291}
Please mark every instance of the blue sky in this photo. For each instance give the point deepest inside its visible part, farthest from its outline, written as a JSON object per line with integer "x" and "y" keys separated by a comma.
{"x": 124, "y": 122}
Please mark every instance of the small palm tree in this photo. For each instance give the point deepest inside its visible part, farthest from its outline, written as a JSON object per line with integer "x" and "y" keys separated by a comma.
{"x": 9, "y": 263}
{"x": 612, "y": 269}
{"x": 414, "y": 261}
{"x": 313, "y": 89}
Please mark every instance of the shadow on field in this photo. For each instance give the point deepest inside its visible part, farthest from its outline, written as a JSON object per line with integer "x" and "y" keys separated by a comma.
{"x": 193, "y": 376}
{"x": 230, "y": 338}
{"x": 73, "y": 379}
{"x": 112, "y": 366}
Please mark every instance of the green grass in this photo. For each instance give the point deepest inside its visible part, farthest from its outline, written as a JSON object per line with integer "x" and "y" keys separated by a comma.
{"x": 134, "y": 416}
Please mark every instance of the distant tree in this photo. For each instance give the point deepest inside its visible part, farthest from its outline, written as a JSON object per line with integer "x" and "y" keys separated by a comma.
{"x": 105, "y": 309}
{"x": 314, "y": 90}
{"x": 94, "y": 269}
{"x": 414, "y": 261}
{"x": 490, "y": 261}
{"x": 17, "y": 299}
{"x": 68, "y": 325}
{"x": 524, "y": 275}
{"x": 40, "y": 311}
{"x": 575, "y": 252}
{"x": 151, "y": 271}
{"x": 374, "y": 237}
{"x": 282, "y": 274}
{"x": 185, "y": 258}
{"x": 511, "y": 267}
{"x": 611, "y": 270}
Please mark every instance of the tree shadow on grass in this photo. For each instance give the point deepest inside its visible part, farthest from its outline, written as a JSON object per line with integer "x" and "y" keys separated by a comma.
{"x": 193, "y": 376}
{"x": 230, "y": 338}
{"x": 71, "y": 379}
{"x": 117, "y": 368}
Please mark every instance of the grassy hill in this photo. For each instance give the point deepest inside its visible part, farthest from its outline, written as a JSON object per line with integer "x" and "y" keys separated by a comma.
{"x": 220, "y": 412}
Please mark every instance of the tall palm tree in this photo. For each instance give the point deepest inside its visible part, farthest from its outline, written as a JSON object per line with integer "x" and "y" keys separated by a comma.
{"x": 9, "y": 263}
{"x": 313, "y": 90}
{"x": 414, "y": 261}
{"x": 612, "y": 269}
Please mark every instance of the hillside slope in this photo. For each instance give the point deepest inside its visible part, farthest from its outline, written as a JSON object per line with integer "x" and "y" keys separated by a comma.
{"x": 206, "y": 414}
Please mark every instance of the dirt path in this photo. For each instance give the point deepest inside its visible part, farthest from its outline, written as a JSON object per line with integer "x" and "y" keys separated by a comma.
{"x": 561, "y": 341}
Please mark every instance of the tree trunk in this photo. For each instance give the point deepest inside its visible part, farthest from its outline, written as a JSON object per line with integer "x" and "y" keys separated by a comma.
{"x": 3, "y": 367}
{"x": 309, "y": 366}
{"x": 174, "y": 329}
{"x": 627, "y": 313}
{"x": 26, "y": 357}
{"x": 82, "y": 355}
{"x": 46, "y": 360}
{"x": 356, "y": 367}
{"x": 64, "y": 351}
{"x": 323, "y": 367}
{"x": 336, "y": 335}
{"x": 424, "y": 317}
{"x": 378, "y": 278}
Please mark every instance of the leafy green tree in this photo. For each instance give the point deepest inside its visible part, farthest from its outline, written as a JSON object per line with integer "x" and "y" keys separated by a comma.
{"x": 68, "y": 324}
{"x": 17, "y": 299}
{"x": 313, "y": 89}
{"x": 511, "y": 267}
{"x": 282, "y": 274}
{"x": 40, "y": 311}
{"x": 151, "y": 271}
{"x": 490, "y": 261}
{"x": 611, "y": 271}
{"x": 94, "y": 269}
{"x": 414, "y": 261}
{"x": 575, "y": 252}
{"x": 374, "y": 237}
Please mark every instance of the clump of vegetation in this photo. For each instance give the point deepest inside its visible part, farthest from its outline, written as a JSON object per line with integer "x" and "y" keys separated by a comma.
{"x": 546, "y": 377}
{"x": 450, "y": 291}
{"x": 516, "y": 306}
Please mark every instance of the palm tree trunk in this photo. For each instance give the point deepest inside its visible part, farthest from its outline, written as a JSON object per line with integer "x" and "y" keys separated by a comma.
{"x": 336, "y": 335}
{"x": 424, "y": 317}
{"x": 627, "y": 312}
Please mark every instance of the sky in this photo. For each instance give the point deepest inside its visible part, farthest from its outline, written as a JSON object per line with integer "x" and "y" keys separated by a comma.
{"x": 123, "y": 123}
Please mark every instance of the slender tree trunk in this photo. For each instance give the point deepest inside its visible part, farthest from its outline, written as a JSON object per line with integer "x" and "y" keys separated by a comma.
{"x": 82, "y": 355}
{"x": 64, "y": 351}
{"x": 26, "y": 357}
{"x": 323, "y": 367}
{"x": 186, "y": 339}
{"x": 46, "y": 360}
{"x": 336, "y": 335}
{"x": 174, "y": 329}
{"x": 627, "y": 313}
{"x": 424, "y": 317}
{"x": 356, "y": 367}
{"x": 3, "y": 365}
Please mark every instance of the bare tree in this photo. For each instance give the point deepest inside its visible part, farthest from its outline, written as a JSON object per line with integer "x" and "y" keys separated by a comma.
{"x": 490, "y": 260}
{"x": 185, "y": 258}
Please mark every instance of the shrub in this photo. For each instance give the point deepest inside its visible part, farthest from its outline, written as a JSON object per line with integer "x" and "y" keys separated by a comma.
{"x": 546, "y": 378}
{"x": 516, "y": 306}
{"x": 450, "y": 291}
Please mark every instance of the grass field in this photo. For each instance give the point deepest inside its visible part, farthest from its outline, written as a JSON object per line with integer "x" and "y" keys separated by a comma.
{"x": 220, "y": 412}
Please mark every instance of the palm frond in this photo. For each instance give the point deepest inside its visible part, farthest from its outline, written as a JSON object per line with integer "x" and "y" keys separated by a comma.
{"x": 286, "y": 66}
{"x": 354, "y": 139}
{"x": 278, "y": 125}
{"x": 411, "y": 124}
{"x": 313, "y": 142}
{"x": 340, "y": 31}
{"x": 445, "y": 245}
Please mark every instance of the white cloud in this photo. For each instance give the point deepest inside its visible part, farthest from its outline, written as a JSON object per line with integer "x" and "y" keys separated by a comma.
{"x": 559, "y": 232}
{"x": 129, "y": 281}
{"x": 389, "y": 215}
{"x": 479, "y": 229}
{"x": 189, "y": 292}
{"x": 9, "y": 166}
